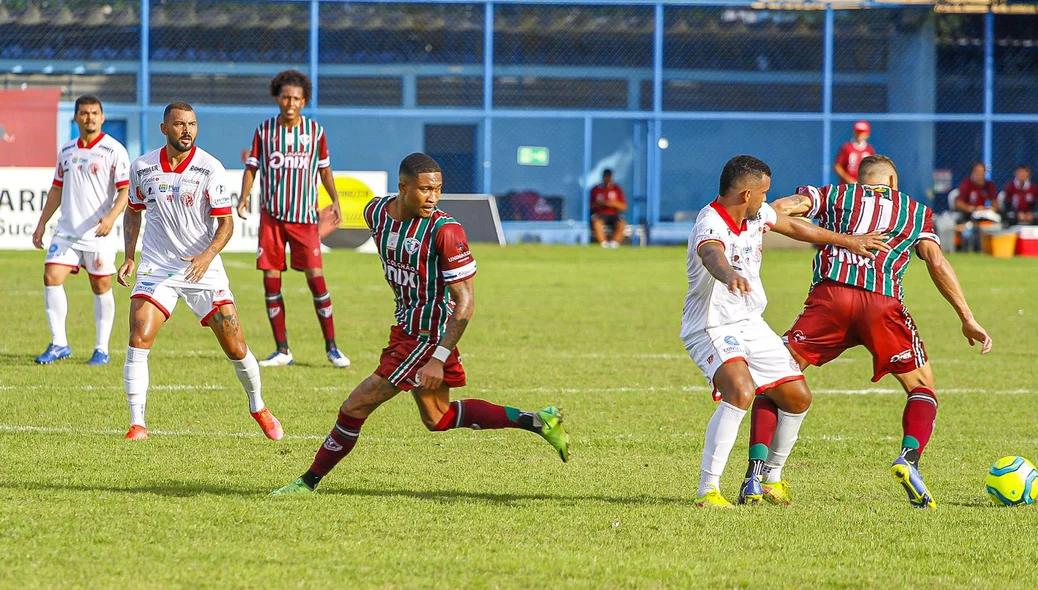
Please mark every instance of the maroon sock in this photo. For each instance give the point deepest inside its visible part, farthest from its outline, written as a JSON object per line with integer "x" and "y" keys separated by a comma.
{"x": 481, "y": 415}
{"x": 339, "y": 443}
{"x": 323, "y": 306}
{"x": 918, "y": 420}
{"x": 276, "y": 310}
{"x": 763, "y": 421}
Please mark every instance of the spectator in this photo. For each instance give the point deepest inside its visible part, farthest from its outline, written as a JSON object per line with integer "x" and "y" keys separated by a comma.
{"x": 977, "y": 194}
{"x": 852, "y": 153}
{"x": 608, "y": 204}
{"x": 1018, "y": 198}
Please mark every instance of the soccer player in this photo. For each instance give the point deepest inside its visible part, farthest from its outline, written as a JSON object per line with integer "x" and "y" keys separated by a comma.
{"x": 853, "y": 152}
{"x": 858, "y": 301}
{"x": 291, "y": 152}
{"x": 90, "y": 184}
{"x": 428, "y": 265}
{"x": 723, "y": 327}
{"x": 180, "y": 190}
{"x": 608, "y": 204}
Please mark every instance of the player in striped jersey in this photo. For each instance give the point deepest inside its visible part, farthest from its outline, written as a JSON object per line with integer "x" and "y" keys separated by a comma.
{"x": 90, "y": 186}
{"x": 854, "y": 300}
{"x": 427, "y": 263}
{"x": 291, "y": 151}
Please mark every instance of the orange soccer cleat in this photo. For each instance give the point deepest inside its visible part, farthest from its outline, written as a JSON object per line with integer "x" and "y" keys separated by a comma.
{"x": 270, "y": 425}
{"x": 137, "y": 432}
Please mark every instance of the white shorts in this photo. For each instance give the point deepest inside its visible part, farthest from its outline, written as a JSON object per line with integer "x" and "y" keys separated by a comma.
{"x": 753, "y": 342}
{"x": 203, "y": 300}
{"x": 64, "y": 253}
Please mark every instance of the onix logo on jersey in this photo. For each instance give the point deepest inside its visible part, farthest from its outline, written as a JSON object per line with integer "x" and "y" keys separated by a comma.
{"x": 404, "y": 278}
{"x": 850, "y": 258}
{"x": 901, "y": 356}
{"x": 295, "y": 160}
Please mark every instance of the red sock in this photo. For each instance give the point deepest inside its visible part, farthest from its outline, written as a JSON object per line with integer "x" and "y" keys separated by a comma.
{"x": 339, "y": 443}
{"x": 276, "y": 310}
{"x": 323, "y": 306}
{"x": 763, "y": 421}
{"x": 918, "y": 420}
{"x": 481, "y": 415}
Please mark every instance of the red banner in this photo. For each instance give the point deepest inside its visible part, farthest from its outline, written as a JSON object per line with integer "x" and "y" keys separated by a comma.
{"x": 29, "y": 126}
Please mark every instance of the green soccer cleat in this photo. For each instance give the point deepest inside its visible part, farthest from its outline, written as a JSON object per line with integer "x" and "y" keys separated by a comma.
{"x": 712, "y": 499}
{"x": 554, "y": 432}
{"x": 295, "y": 488}
{"x": 777, "y": 493}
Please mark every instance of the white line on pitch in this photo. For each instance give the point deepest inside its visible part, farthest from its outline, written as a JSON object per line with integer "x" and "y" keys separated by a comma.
{"x": 70, "y": 430}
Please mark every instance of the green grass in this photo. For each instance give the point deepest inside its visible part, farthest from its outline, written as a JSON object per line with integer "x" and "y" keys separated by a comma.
{"x": 592, "y": 331}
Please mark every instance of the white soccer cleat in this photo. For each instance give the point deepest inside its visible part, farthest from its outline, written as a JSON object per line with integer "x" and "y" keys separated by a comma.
{"x": 337, "y": 358}
{"x": 279, "y": 359}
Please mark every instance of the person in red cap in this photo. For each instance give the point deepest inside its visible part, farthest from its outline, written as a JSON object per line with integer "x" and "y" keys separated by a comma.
{"x": 852, "y": 153}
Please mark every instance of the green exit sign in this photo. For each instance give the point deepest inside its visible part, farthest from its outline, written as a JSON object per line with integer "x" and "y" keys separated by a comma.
{"x": 532, "y": 155}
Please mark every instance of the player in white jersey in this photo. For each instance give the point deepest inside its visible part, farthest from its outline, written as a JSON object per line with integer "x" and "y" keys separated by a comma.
{"x": 90, "y": 183}
{"x": 724, "y": 330}
{"x": 181, "y": 191}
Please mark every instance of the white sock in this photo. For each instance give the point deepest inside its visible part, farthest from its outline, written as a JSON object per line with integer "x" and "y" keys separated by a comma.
{"x": 721, "y": 432}
{"x": 248, "y": 372}
{"x": 56, "y": 304}
{"x": 786, "y": 432}
{"x": 104, "y": 317}
{"x": 135, "y": 379}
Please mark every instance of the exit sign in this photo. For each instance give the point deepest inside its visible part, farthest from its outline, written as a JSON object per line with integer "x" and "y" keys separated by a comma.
{"x": 532, "y": 155}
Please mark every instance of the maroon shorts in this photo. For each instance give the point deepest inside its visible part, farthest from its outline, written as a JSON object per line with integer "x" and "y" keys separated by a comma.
{"x": 274, "y": 234}
{"x": 838, "y": 316}
{"x": 405, "y": 355}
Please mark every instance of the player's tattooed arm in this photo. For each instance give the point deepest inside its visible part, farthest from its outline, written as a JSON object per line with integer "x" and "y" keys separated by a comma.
{"x": 793, "y": 205}
{"x": 947, "y": 282}
{"x": 803, "y": 231}
{"x": 131, "y": 229}
{"x": 716, "y": 263}
{"x": 464, "y": 296}
{"x": 200, "y": 263}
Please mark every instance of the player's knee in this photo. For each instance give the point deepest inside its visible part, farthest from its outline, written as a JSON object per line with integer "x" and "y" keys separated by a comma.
{"x": 140, "y": 341}
{"x": 740, "y": 397}
{"x": 353, "y": 406}
{"x": 236, "y": 351}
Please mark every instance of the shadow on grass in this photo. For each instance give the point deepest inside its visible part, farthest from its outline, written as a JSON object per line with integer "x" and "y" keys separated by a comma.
{"x": 186, "y": 489}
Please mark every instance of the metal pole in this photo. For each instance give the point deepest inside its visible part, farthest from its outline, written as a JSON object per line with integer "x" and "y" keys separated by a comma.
{"x": 827, "y": 95}
{"x": 989, "y": 84}
{"x": 652, "y": 202}
{"x": 585, "y": 198}
{"x": 488, "y": 92}
{"x": 315, "y": 28}
{"x": 144, "y": 74}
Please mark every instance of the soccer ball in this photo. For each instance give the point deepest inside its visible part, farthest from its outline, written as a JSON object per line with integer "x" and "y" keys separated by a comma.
{"x": 1012, "y": 481}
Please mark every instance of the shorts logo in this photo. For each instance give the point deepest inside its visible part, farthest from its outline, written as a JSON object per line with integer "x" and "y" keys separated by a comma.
{"x": 98, "y": 264}
{"x": 799, "y": 336}
{"x": 411, "y": 245}
{"x": 710, "y": 360}
{"x": 901, "y": 357}
{"x": 272, "y": 312}
{"x": 145, "y": 288}
{"x": 53, "y": 248}
{"x": 793, "y": 364}
{"x": 259, "y": 253}
{"x": 317, "y": 251}
{"x": 731, "y": 340}
{"x": 730, "y": 349}
{"x": 331, "y": 445}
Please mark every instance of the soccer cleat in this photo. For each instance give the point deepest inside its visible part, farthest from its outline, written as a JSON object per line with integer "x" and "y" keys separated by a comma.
{"x": 98, "y": 359}
{"x": 54, "y": 353}
{"x": 137, "y": 432}
{"x": 906, "y": 473}
{"x": 270, "y": 425}
{"x": 554, "y": 432}
{"x": 777, "y": 493}
{"x": 278, "y": 359}
{"x": 712, "y": 499}
{"x": 750, "y": 493}
{"x": 337, "y": 358}
{"x": 297, "y": 487}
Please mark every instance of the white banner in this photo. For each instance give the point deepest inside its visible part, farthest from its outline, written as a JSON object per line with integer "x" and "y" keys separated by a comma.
{"x": 24, "y": 190}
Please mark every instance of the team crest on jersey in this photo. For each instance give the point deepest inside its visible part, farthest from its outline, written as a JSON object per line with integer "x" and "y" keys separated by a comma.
{"x": 304, "y": 140}
{"x": 188, "y": 199}
{"x": 411, "y": 245}
{"x": 95, "y": 168}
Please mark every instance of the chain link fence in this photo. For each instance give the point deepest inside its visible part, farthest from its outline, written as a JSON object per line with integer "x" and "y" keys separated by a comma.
{"x": 533, "y": 101}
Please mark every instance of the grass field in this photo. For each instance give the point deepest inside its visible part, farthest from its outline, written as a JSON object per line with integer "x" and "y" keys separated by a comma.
{"x": 592, "y": 331}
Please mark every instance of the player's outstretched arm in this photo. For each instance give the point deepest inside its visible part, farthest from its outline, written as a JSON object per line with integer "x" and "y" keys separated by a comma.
{"x": 716, "y": 263}
{"x": 464, "y": 296}
{"x": 247, "y": 179}
{"x": 131, "y": 229}
{"x": 104, "y": 227}
{"x": 328, "y": 180}
{"x": 944, "y": 278}
{"x": 792, "y": 206}
{"x": 200, "y": 262}
{"x": 52, "y": 204}
{"x": 802, "y": 231}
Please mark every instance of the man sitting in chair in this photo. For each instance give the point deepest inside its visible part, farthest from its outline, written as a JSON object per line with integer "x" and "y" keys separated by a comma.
{"x": 608, "y": 204}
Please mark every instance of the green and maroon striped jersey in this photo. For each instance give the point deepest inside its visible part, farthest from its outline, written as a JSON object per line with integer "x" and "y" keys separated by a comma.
{"x": 861, "y": 209}
{"x": 289, "y": 160}
{"x": 420, "y": 258}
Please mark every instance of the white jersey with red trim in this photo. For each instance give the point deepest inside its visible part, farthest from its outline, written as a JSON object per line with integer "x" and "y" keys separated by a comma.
{"x": 89, "y": 176}
{"x": 709, "y": 304}
{"x": 180, "y": 205}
